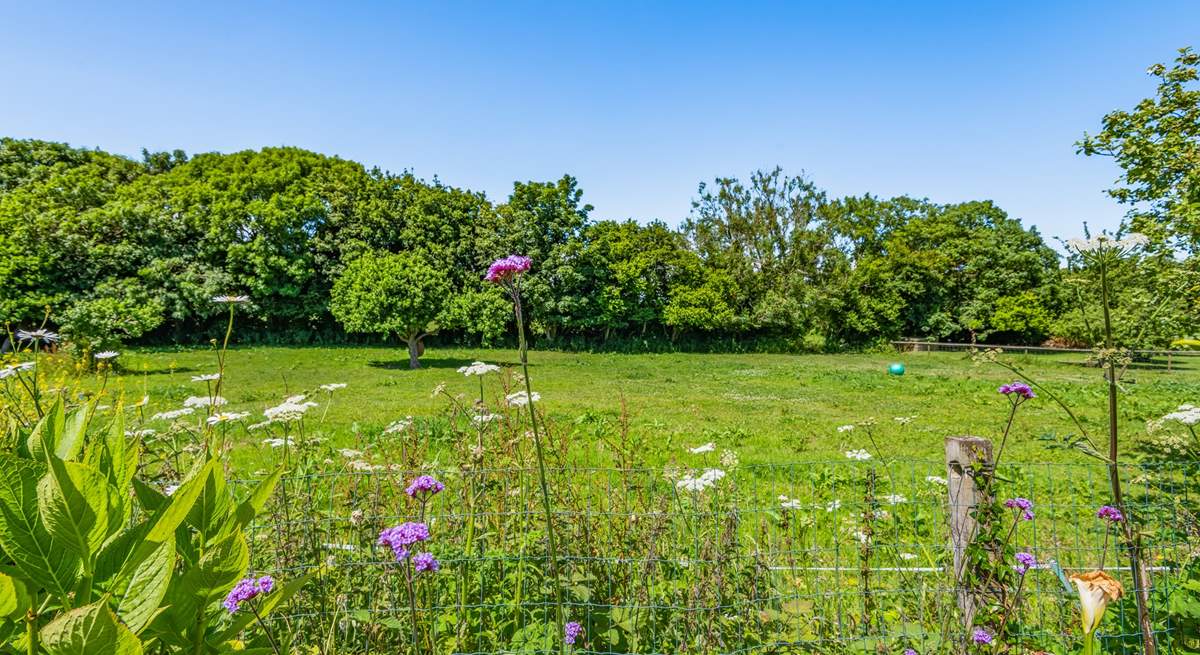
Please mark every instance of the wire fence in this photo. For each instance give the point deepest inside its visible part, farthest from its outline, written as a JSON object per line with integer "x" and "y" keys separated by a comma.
{"x": 828, "y": 556}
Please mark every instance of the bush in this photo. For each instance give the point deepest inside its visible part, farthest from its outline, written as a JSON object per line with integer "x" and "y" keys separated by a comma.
{"x": 117, "y": 311}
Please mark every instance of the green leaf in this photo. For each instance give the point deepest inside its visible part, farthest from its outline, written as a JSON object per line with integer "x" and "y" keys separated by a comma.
{"x": 139, "y": 588}
{"x": 258, "y": 498}
{"x": 73, "y": 501}
{"x": 223, "y": 565}
{"x": 89, "y": 630}
{"x": 24, "y": 537}
{"x": 183, "y": 502}
{"x": 13, "y": 599}
{"x": 44, "y": 437}
{"x": 70, "y": 443}
{"x": 212, "y": 507}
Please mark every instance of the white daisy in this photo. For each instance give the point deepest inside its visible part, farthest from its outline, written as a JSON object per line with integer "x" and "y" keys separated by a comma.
{"x": 225, "y": 417}
{"x": 106, "y": 354}
{"x": 172, "y": 414}
{"x": 706, "y": 448}
{"x": 845, "y": 428}
{"x": 41, "y": 334}
{"x": 207, "y": 377}
{"x": 231, "y": 300}
{"x": 860, "y": 455}
{"x": 204, "y": 401}
{"x": 936, "y": 479}
{"x": 333, "y": 386}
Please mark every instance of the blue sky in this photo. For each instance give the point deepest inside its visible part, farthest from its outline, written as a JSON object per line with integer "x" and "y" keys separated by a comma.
{"x": 640, "y": 101}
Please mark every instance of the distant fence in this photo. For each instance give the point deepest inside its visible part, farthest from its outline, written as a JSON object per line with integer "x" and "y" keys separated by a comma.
{"x": 853, "y": 555}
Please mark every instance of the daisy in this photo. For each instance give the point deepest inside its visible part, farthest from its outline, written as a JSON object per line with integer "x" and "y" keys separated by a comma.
{"x": 706, "y": 448}
{"x": 207, "y": 377}
{"x": 231, "y": 300}
{"x": 106, "y": 354}
{"x": 224, "y": 417}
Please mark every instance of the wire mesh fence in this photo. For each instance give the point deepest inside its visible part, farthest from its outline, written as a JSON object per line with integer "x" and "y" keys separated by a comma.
{"x": 828, "y": 556}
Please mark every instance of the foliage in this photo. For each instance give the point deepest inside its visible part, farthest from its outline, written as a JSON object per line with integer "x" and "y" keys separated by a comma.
{"x": 116, "y": 312}
{"x": 387, "y": 293}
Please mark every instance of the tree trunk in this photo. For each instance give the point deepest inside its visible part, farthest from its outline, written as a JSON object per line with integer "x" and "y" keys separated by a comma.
{"x": 415, "y": 347}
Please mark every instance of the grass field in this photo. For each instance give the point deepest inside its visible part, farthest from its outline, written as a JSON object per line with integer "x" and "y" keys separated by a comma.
{"x": 769, "y": 408}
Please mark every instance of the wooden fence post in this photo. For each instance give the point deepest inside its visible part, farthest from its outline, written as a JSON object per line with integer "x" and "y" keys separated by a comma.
{"x": 963, "y": 454}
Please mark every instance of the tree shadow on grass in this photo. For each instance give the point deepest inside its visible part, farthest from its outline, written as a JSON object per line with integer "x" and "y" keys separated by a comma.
{"x": 166, "y": 370}
{"x": 401, "y": 364}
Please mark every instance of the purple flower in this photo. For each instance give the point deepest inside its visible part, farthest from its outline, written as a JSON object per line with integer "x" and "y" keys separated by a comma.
{"x": 402, "y": 536}
{"x": 1025, "y": 561}
{"x": 571, "y": 631}
{"x": 247, "y": 589}
{"x": 909, "y": 651}
{"x": 1023, "y": 504}
{"x": 982, "y": 636}
{"x": 425, "y": 485}
{"x": 1020, "y": 388}
{"x": 1110, "y": 514}
{"x": 508, "y": 268}
{"x": 425, "y": 563}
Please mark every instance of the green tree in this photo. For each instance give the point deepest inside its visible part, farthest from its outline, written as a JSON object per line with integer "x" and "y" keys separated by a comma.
{"x": 386, "y": 293}
{"x": 1157, "y": 144}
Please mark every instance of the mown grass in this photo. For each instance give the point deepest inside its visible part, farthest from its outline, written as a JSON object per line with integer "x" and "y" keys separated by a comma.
{"x": 768, "y": 408}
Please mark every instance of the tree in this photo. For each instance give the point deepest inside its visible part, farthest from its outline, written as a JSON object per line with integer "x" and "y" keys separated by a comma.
{"x": 388, "y": 293}
{"x": 1157, "y": 144}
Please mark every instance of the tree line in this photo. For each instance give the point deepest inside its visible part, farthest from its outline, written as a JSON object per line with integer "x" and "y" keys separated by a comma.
{"x": 119, "y": 249}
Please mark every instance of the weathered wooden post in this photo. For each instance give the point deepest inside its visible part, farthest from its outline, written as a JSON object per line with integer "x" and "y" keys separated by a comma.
{"x": 962, "y": 455}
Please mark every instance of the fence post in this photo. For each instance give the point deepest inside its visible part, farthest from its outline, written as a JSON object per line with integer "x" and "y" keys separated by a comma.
{"x": 962, "y": 454}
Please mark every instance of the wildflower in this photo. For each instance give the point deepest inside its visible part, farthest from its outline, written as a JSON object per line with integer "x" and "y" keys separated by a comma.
{"x": 895, "y": 499}
{"x": 907, "y": 557}
{"x": 833, "y": 506}
{"x": 478, "y": 368}
{"x": 398, "y": 426}
{"x": 521, "y": 398}
{"x": 909, "y": 651}
{"x": 356, "y": 517}
{"x": 1096, "y": 590}
{"x": 706, "y": 448}
{"x": 172, "y": 414}
{"x": 207, "y": 377}
{"x": 41, "y": 334}
{"x": 572, "y": 631}
{"x": 845, "y": 428}
{"x": 1025, "y": 561}
{"x": 903, "y": 420}
{"x": 248, "y": 589}
{"x": 1185, "y": 414}
{"x": 334, "y": 386}
{"x": 276, "y": 442}
{"x": 224, "y": 417}
{"x": 346, "y": 547}
{"x": 1023, "y": 504}
{"x": 142, "y": 403}
{"x": 13, "y": 369}
{"x": 935, "y": 479}
{"x": 1017, "y": 387}
{"x": 425, "y": 485}
{"x": 291, "y": 409}
{"x": 508, "y": 268}
{"x": 1104, "y": 242}
{"x": 729, "y": 459}
{"x": 204, "y": 401}
{"x": 700, "y": 483}
{"x": 231, "y": 300}
{"x": 484, "y": 418}
{"x": 425, "y": 563}
{"x": 106, "y": 354}
{"x": 860, "y": 455}
{"x": 1110, "y": 514}
{"x": 982, "y": 636}
{"x": 349, "y": 453}
{"x": 400, "y": 537}
{"x": 789, "y": 503}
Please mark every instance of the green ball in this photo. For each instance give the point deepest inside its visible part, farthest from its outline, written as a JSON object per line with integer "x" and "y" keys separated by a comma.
{"x": 896, "y": 369}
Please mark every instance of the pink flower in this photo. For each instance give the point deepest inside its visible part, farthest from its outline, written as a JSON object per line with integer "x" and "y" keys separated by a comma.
{"x": 508, "y": 268}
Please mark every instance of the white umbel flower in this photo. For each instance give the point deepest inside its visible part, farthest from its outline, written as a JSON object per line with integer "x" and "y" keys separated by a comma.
{"x": 207, "y": 377}
{"x": 225, "y": 417}
{"x": 478, "y": 368}
{"x": 705, "y": 448}
{"x": 860, "y": 455}
{"x": 521, "y": 399}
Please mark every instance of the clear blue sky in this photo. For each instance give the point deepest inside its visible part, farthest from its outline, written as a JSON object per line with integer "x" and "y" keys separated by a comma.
{"x": 952, "y": 101}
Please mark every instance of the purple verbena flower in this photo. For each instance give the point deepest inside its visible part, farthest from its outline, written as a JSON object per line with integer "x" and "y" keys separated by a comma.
{"x": 425, "y": 485}
{"x": 248, "y": 589}
{"x": 1025, "y": 561}
{"x": 909, "y": 651}
{"x": 572, "y": 631}
{"x": 1023, "y": 504}
{"x": 506, "y": 269}
{"x": 982, "y": 636}
{"x": 425, "y": 563}
{"x": 1020, "y": 388}
{"x": 400, "y": 537}
{"x": 1110, "y": 514}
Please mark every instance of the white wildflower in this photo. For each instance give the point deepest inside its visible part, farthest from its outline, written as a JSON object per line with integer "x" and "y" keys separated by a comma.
{"x": 908, "y": 557}
{"x": 729, "y": 459}
{"x": 860, "y": 455}
{"x": 478, "y": 368}
{"x": 1185, "y": 414}
{"x": 399, "y": 426}
{"x": 789, "y": 503}
{"x": 291, "y": 409}
{"x": 936, "y": 479}
{"x": 484, "y": 418}
{"x": 350, "y": 453}
{"x": 333, "y": 386}
{"x": 276, "y": 442}
{"x": 204, "y": 401}
{"x": 895, "y": 499}
{"x": 231, "y": 300}
{"x": 346, "y": 547}
{"x": 903, "y": 420}
{"x": 845, "y": 428}
{"x": 225, "y": 417}
{"x": 170, "y": 489}
{"x": 833, "y": 506}
{"x": 106, "y": 354}
{"x": 705, "y": 448}
{"x": 172, "y": 414}
{"x": 521, "y": 398}
{"x": 207, "y": 377}
{"x": 40, "y": 334}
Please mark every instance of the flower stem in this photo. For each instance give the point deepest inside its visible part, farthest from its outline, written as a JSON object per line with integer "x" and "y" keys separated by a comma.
{"x": 541, "y": 459}
{"x": 265, "y": 629}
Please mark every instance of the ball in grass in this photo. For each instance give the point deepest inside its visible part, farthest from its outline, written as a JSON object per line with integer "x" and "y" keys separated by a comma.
{"x": 896, "y": 369}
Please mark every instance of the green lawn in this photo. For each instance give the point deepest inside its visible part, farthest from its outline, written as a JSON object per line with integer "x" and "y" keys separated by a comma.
{"x": 768, "y": 408}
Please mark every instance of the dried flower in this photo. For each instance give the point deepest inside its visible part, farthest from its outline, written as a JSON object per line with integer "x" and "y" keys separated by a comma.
{"x": 1096, "y": 590}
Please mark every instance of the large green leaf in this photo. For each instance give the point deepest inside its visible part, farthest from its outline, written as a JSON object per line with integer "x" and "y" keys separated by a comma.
{"x": 73, "y": 501}
{"x": 212, "y": 507}
{"x": 222, "y": 566}
{"x": 139, "y": 588}
{"x": 89, "y": 630}
{"x": 44, "y": 437}
{"x": 250, "y": 507}
{"x": 24, "y": 537}
{"x": 182, "y": 503}
{"x": 70, "y": 442}
{"x": 13, "y": 598}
